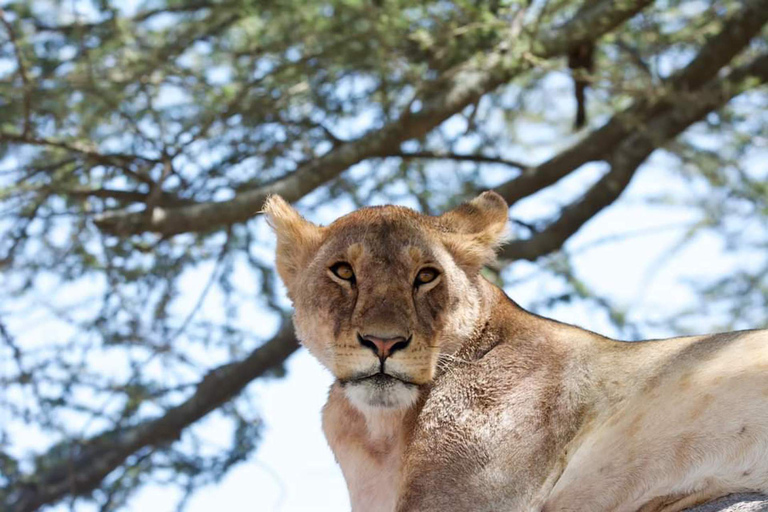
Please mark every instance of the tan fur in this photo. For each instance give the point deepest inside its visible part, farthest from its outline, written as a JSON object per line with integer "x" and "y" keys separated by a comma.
{"x": 498, "y": 409}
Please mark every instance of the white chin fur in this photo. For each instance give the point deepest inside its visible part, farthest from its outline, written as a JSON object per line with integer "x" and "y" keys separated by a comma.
{"x": 394, "y": 395}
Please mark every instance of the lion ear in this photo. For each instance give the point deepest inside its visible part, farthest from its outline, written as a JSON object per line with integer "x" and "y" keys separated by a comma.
{"x": 297, "y": 238}
{"x": 476, "y": 229}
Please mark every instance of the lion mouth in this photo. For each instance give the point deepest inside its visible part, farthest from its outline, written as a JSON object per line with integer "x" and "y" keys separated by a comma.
{"x": 381, "y": 390}
{"x": 379, "y": 379}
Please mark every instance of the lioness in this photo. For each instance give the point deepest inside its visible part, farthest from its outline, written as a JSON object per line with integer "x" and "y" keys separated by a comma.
{"x": 450, "y": 397}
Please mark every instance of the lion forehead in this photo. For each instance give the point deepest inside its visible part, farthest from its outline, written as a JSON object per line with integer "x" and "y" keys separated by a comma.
{"x": 391, "y": 236}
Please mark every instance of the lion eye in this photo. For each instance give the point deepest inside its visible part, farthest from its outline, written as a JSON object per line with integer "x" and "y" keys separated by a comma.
{"x": 426, "y": 275}
{"x": 343, "y": 271}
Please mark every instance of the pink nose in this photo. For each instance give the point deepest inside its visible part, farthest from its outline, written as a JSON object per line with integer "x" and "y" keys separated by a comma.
{"x": 383, "y": 347}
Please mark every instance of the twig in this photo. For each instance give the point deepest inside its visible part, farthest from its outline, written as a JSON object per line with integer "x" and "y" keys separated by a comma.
{"x": 75, "y": 147}
{"x": 454, "y": 156}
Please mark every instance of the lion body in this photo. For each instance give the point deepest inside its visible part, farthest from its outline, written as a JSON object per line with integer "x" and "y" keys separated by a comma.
{"x": 491, "y": 408}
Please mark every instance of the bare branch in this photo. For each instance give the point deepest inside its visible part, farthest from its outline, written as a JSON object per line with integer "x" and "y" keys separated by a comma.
{"x": 156, "y": 192}
{"x": 79, "y": 148}
{"x": 124, "y": 196}
{"x": 440, "y": 155}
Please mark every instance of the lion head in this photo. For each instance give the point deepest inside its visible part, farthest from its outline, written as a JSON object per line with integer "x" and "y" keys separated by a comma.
{"x": 381, "y": 293}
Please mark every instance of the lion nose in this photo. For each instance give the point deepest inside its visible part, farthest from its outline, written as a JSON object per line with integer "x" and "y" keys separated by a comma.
{"x": 383, "y": 347}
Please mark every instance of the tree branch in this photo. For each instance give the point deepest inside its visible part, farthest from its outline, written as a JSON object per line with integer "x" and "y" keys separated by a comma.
{"x": 717, "y": 52}
{"x": 442, "y": 98}
{"x": 631, "y": 153}
{"x": 117, "y": 159}
{"x": 439, "y": 155}
{"x": 595, "y": 19}
{"x": 124, "y": 196}
{"x": 92, "y": 460}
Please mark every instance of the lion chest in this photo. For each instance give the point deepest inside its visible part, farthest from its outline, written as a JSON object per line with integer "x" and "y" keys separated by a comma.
{"x": 369, "y": 449}
{"x": 372, "y": 477}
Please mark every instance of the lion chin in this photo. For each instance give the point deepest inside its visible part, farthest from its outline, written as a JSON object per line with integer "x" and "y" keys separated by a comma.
{"x": 381, "y": 391}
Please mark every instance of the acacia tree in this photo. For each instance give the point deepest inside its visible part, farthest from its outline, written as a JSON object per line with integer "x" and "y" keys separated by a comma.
{"x": 139, "y": 144}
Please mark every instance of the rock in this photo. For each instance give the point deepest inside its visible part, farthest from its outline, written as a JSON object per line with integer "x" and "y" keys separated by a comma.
{"x": 735, "y": 503}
